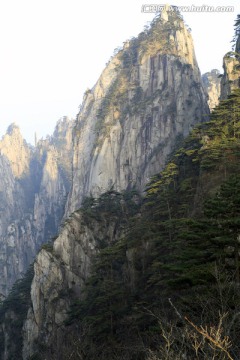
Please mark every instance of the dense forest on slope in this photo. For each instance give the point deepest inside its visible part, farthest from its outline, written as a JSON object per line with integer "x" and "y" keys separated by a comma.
{"x": 13, "y": 311}
{"x": 170, "y": 287}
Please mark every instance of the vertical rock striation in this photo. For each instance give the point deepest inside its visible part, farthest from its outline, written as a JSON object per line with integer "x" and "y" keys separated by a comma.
{"x": 231, "y": 76}
{"x": 34, "y": 184}
{"x": 16, "y": 150}
{"x": 149, "y": 96}
{"x": 212, "y": 84}
{"x": 54, "y": 272}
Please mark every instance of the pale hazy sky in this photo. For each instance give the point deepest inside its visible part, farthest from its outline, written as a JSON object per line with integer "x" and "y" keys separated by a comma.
{"x": 53, "y": 50}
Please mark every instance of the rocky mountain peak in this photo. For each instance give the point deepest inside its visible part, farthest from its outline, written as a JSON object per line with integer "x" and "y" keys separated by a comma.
{"x": 212, "y": 84}
{"x": 13, "y": 128}
{"x": 33, "y": 190}
{"x": 231, "y": 66}
{"x": 165, "y": 12}
{"x": 149, "y": 94}
{"x": 16, "y": 150}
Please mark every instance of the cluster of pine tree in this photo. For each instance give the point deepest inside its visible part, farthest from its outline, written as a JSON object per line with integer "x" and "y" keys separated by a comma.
{"x": 13, "y": 311}
{"x": 170, "y": 287}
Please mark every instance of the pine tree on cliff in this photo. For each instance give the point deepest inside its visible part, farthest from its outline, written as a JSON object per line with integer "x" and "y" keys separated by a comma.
{"x": 223, "y": 210}
{"x": 237, "y": 30}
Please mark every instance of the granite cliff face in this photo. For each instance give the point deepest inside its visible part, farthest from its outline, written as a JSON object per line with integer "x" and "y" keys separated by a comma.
{"x": 231, "y": 76}
{"x": 147, "y": 99}
{"x": 149, "y": 96}
{"x": 15, "y": 149}
{"x": 59, "y": 271}
{"x": 33, "y": 187}
{"x": 212, "y": 84}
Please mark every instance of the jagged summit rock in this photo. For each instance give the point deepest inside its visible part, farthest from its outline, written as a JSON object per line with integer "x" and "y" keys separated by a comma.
{"x": 231, "y": 67}
{"x": 149, "y": 95}
{"x": 13, "y": 128}
{"x": 34, "y": 183}
{"x": 16, "y": 150}
{"x": 164, "y": 12}
{"x": 212, "y": 85}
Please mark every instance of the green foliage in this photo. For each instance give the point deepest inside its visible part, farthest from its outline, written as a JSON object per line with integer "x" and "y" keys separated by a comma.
{"x": 13, "y": 312}
{"x": 106, "y": 300}
{"x": 129, "y": 56}
{"x": 48, "y": 247}
{"x": 137, "y": 97}
{"x": 237, "y": 31}
{"x": 107, "y": 102}
{"x": 112, "y": 202}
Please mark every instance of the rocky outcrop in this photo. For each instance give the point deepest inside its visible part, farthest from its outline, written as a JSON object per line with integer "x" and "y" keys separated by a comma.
{"x": 149, "y": 96}
{"x": 231, "y": 76}
{"x": 34, "y": 183}
{"x": 17, "y": 245}
{"x": 59, "y": 271}
{"x": 212, "y": 84}
{"x": 16, "y": 150}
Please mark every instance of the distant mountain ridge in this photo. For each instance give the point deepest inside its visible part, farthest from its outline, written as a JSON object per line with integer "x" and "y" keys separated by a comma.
{"x": 34, "y": 185}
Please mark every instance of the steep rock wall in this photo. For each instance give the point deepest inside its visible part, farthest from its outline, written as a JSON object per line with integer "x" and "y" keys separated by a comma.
{"x": 231, "y": 76}
{"x": 34, "y": 184}
{"x": 212, "y": 85}
{"x": 148, "y": 97}
{"x": 59, "y": 271}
